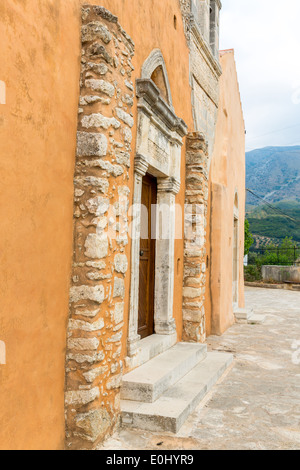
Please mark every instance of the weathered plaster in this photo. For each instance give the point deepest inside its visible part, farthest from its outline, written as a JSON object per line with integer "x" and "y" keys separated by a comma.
{"x": 226, "y": 204}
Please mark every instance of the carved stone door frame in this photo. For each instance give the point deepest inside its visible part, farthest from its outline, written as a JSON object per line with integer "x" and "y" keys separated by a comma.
{"x": 158, "y": 153}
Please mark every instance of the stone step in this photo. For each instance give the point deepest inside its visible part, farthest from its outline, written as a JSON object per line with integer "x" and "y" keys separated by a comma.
{"x": 149, "y": 381}
{"x": 150, "y": 347}
{"x": 172, "y": 409}
{"x": 256, "y": 319}
{"x": 242, "y": 315}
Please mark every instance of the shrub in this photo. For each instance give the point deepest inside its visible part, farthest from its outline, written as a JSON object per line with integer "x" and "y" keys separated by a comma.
{"x": 283, "y": 255}
{"x": 253, "y": 273}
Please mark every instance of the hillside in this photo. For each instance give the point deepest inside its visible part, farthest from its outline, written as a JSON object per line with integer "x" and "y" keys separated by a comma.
{"x": 273, "y": 173}
{"x": 267, "y": 224}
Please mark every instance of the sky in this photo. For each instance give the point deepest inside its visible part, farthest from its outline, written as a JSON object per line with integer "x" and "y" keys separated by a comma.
{"x": 265, "y": 35}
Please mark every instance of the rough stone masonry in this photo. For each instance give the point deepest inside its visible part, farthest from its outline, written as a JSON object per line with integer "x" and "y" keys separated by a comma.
{"x": 93, "y": 365}
{"x": 196, "y": 200}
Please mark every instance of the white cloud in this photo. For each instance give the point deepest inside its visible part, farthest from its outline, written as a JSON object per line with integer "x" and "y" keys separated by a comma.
{"x": 266, "y": 37}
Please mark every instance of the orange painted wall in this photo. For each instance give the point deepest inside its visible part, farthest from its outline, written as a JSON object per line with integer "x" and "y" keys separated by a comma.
{"x": 40, "y": 66}
{"x": 40, "y": 54}
{"x": 227, "y": 175}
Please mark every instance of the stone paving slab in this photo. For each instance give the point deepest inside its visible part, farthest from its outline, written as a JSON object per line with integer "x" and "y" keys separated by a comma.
{"x": 256, "y": 405}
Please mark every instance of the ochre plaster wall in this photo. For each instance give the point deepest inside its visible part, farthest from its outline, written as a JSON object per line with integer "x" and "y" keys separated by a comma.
{"x": 227, "y": 176}
{"x": 40, "y": 64}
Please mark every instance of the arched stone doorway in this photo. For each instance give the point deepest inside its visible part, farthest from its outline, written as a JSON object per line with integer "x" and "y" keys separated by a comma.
{"x": 158, "y": 155}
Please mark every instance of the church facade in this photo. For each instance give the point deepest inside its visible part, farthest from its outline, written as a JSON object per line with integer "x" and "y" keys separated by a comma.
{"x": 125, "y": 126}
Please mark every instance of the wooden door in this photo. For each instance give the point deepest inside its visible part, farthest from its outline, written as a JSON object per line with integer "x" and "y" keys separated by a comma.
{"x": 147, "y": 258}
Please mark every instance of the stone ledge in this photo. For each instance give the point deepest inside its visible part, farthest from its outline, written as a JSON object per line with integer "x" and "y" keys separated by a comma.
{"x": 212, "y": 61}
{"x": 146, "y": 89}
{"x": 261, "y": 285}
{"x": 247, "y": 316}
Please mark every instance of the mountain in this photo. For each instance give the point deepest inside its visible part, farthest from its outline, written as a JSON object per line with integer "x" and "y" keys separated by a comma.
{"x": 273, "y": 173}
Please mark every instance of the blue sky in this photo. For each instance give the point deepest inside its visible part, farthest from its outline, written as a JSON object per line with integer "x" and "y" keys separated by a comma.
{"x": 266, "y": 37}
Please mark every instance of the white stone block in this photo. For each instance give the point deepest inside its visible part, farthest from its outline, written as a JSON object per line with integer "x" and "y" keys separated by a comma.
{"x": 96, "y": 246}
{"x": 90, "y": 144}
{"x": 95, "y": 294}
{"x": 82, "y": 397}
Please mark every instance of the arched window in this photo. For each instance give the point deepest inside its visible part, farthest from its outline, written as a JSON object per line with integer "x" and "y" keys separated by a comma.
{"x": 159, "y": 79}
{"x": 236, "y": 201}
{"x": 155, "y": 69}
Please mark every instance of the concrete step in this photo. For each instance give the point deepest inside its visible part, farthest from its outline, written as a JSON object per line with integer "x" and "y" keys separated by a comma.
{"x": 149, "y": 381}
{"x": 242, "y": 315}
{"x": 256, "y": 319}
{"x": 296, "y": 287}
{"x": 172, "y": 409}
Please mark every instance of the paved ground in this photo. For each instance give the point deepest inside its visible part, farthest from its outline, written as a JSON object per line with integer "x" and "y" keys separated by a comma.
{"x": 256, "y": 405}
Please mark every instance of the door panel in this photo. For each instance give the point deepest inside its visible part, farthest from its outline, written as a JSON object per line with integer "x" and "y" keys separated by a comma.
{"x": 147, "y": 259}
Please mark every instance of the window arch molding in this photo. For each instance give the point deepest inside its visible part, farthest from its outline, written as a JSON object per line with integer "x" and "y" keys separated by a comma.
{"x": 154, "y": 61}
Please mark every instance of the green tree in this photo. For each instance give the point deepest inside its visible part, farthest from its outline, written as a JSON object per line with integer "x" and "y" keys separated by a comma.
{"x": 249, "y": 240}
{"x": 282, "y": 255}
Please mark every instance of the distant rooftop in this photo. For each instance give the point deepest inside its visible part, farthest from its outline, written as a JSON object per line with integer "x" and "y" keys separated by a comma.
{"x": 225, "y": 51}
